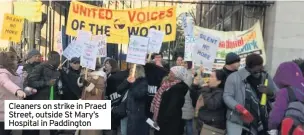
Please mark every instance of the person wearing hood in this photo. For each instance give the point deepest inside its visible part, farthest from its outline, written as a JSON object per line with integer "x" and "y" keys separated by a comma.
{"x": 167, "y": 104}
{"x": 210, "y": 107}
{"x": 69, "y": 76}
{"x": 242, "y": 95}
{"x": 43, "y": 77}
{"x": 93, "y": 89}
{"x": 10, "y": 84}
{"x": 287, "y": 75}
{"x": 232, "y": 64}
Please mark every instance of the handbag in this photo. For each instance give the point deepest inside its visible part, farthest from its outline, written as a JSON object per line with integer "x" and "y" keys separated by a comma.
{"x": 209, "y": 130}
{"x": 120, "y": 111}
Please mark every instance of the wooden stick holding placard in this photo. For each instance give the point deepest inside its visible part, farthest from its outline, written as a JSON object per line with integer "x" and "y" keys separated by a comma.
{"x": 86, "y": 74}
{"x": 62, "y": 64}
{"x": 149, "y": 57}
{"x": 133, "y": 70}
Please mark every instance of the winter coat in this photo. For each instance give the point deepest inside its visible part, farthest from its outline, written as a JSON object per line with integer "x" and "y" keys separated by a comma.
{"x": 136, "y": 99}
{"x": 9, "y": 84}
{"x": 154, "y": 75}
{"x": 288, "y": 74}
{"x": 234, "y": 93}
{"x": 113, "y": 81}
{"x": 71, "y": 91}
{"x": 28, "y": 67}
{"x": 214, "y": 109}
{"x": 170, "y": 110}
{"x": 39, "y": 78}
{"x": 95, "y": 86}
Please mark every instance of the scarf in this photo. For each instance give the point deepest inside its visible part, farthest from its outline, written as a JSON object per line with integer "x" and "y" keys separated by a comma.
{"x": 180, "y": 73}
{"x": 157, "y": 98}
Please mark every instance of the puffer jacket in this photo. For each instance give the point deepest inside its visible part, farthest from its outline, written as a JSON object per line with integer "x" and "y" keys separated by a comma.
{"x": 39, "y": 78}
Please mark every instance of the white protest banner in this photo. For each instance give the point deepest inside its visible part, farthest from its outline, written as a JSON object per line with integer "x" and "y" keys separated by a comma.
{"x": 83, "y": 36}
{"x": 242, "y": 43}
{"x": 204, "y": 51}
{"x": 89, "y": 55}
{"x": 55, "y": 114}
{"x": 72, "y": 51}
{"x": 102, "y": 45}
{"x": 156, "y": 38}
{"x": 189, "y": 44}
{"x": 59, "y": 42}
{"x": 187, "y": 24}
{"x": 137, "y": 51}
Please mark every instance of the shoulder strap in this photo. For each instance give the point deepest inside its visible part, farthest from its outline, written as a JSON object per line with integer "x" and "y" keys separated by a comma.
{"x": 291, "y": 95}
{"x": 125, "y": 96}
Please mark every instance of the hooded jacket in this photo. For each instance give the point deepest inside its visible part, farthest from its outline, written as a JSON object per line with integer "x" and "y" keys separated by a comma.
{"x": 9, "y": 84}
{"x": 287, "y": 74}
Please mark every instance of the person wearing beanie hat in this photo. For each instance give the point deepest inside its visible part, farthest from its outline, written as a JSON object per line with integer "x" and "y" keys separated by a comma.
{"x": 32, "y": 59}
{"x": 232, "y": 64}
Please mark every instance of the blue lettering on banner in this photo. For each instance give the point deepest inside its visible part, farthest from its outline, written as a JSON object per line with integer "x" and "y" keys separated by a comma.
{"x": 143, "y": 31}
{"x": 248, "y": 47}
{"x": 203, "y": 54}
{"x": 114, "y": 96}
{"x": 208, "y": 39}
{"x": 152, "y": 90}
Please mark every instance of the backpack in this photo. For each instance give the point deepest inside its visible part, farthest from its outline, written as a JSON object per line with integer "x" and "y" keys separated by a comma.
{"x": 295, "y": 109}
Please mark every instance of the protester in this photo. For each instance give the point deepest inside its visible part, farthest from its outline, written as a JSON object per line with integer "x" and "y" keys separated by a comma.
{"x": 157, "y": 58}
{"x": 168, "y": 102}
{"x": 288, "y": 76}
{"x": 32, "y": 60}
{"x": 44, "y": 77}
{"x": 242, "y": 95}
{"x": 179, "y": 61}
{"x": 232, "y": 64}
{"x": 10, "y": 84}
{"x": 94, "y": 86}
{"x": 210, "y": 107}
{"x": 115, "y": 78}
{"x": 137, "y": 92}
{"x": 188, "y": 110}
{"x": 69, "y": 76}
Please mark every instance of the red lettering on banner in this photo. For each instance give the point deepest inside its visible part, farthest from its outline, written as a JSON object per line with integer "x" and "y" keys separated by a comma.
{"x": 231, "y": 44}
{"x": 99, "y": 13}
{"x": 153, "y": 15}
{"x": 147, "y": 16}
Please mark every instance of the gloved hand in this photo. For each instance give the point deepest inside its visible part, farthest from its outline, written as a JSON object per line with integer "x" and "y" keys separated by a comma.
{"x": 246, "y": 115}
{"x": 263, "y": 89}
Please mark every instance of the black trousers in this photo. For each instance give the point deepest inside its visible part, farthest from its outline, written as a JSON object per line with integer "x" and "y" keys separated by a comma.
{"x": 3, "y": 131}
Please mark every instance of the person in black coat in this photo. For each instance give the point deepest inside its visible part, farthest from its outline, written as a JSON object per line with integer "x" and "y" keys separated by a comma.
{"x": 210, "y": 106}
{"x": 168, "y": 102}
{"x": 137, "y": 88}
{"x": 69, "y": 76}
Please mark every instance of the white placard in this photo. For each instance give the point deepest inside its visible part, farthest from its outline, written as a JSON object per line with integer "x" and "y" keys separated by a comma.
{"x": 189, "y": 44}
{"x": 137, "y": 51}
{"x": 59, "y": 42}
{"x": 83, "y": 36}
{"x": 187, "y": 24}
{"x": 156, "y": 38}
{"x": 89, "y": 55}
{"x": 57, "y": 114}
{"x": 72, "y": 50}
{"x": 102, "y": 45}
{"x": 204, "y": 51}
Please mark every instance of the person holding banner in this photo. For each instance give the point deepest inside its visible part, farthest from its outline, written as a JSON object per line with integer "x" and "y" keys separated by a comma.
{"x": 10, "y": 84}
{"x": 168, "y": 102}
{"x": 242, "y": 95}
{"x": 136, "y": 88}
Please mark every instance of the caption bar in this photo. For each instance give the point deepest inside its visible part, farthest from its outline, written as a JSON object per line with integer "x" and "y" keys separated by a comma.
{"x": 58, "y": 114}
